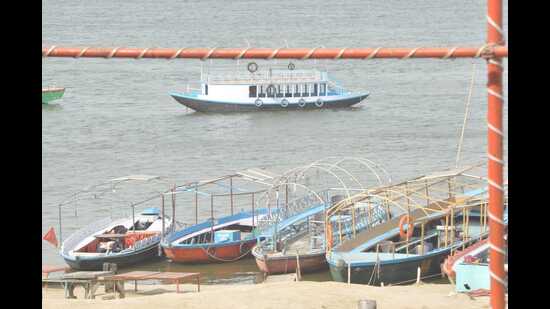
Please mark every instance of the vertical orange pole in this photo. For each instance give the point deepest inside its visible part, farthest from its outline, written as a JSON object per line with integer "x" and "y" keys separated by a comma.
{"x": 495, "y": 157}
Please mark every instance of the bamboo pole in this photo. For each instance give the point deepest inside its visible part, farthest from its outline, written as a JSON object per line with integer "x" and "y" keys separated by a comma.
{"x": 212, "y": 217}
{"x": 162, "y": 217}
{"x": 422, "y": 238}
{"x": 60, "y": 233}
{"x": 280, "y": 53}
{"x": 173, "y": 208}
{"x": 231, "y": 193}
{"x": 196, "y": 206}
{"x": 253, "y": 213}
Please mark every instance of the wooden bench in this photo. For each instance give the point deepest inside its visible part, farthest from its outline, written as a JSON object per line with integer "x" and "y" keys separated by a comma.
{"x": 87, "y": 279}
{"x": 175, "y": 277}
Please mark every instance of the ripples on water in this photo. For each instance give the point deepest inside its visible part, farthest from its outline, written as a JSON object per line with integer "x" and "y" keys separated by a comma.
{"x": 117, "y": 118}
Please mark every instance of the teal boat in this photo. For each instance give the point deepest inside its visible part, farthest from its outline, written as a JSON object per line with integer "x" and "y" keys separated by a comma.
{"x": 51, "y": 94}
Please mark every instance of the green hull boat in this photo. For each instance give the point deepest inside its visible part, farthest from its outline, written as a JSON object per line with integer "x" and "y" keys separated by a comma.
{"x": 50, "y": 94}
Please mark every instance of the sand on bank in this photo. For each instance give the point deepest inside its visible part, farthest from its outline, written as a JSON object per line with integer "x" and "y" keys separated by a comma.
{"x": 304, "y": 294}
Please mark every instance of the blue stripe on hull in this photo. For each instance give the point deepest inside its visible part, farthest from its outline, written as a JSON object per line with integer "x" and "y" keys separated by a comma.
{"x": 214, "y": 106}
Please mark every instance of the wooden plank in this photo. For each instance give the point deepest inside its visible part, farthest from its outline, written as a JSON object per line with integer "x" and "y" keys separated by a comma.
{"x": 172, "y": 275}
{"x": 86, "y": 274}
{"x": 133, "y": 275}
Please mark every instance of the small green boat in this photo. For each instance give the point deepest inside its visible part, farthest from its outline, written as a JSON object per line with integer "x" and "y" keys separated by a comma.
{"x": 52, "y": 93}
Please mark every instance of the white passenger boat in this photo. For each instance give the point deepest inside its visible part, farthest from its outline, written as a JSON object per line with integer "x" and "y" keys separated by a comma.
{"x": 270, "y": 89}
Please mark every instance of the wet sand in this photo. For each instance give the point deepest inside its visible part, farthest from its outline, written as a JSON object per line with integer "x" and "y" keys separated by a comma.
{"x": 304, "y": 294}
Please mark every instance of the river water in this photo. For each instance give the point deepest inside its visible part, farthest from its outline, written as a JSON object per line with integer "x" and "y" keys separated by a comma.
{"x": 117, "y": 118}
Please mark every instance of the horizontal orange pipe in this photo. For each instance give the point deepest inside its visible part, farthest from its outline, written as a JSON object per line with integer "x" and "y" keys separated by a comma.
{"x": 283, "y": 53}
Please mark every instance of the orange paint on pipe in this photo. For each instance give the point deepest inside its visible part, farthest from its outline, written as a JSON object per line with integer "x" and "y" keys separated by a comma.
{"x": 495, "y": 164}
{"x": 267, "y": 53}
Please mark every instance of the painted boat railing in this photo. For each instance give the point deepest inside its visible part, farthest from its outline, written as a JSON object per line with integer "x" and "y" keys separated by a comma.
{"x": 294, "y": 207}
{"x": 81, "y": 234}
{"x": 274, "y": 76}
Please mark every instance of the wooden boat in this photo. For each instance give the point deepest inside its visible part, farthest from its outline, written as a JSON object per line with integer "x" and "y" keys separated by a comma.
{"x": 126, "y": 241}
{"x": 476, "y": 253}
{"x": 440, "y": 223}
{"x": 51, "y": 94}
{"x": 272, "y": 89}
{"x": 297, "y": 240}
{"x": 123, "y": 242}
{"x": 226, "y": 239}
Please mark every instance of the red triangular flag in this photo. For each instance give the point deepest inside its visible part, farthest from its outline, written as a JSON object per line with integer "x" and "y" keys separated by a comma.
{"x": 50, "y": 237}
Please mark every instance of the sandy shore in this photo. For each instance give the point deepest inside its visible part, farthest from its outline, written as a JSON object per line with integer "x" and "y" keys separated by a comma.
{"x": 305, "y": 294}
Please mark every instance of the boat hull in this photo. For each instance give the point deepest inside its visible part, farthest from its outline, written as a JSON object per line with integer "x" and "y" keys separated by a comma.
{"x": 123, "y": 260}
{"x": 202, "y": 105}
{"x": 209, "y": 253}
{"x": 391, "y": 272}
{"x": 287, "y": 263}
{"x": 49, "y": 95}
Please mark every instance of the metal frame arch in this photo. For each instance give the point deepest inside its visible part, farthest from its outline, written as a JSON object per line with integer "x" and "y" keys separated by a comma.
{"x": 302, "y": 172}
{"x": 363, "y": 161}
{"x": 345, "y": 172}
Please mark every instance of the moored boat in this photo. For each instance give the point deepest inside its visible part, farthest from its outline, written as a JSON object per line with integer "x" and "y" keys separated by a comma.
{"x": 272, "y": 89}
{"x": 425, "y": 229}
{"x": 124, "y": 242}
{"x": 229, "y": 237}
{"x": 226, "y": 239}
{"x": 294, "y": 235}
{"x": 128, "y": 240}
{"x": 51, "y": 93}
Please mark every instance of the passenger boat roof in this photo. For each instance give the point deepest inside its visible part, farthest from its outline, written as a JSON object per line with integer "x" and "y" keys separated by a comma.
{"x": 275, "y": 76}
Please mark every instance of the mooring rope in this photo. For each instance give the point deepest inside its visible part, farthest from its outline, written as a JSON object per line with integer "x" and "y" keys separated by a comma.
{"x": 461, "y": 139}
{"x": 224, "y": 260}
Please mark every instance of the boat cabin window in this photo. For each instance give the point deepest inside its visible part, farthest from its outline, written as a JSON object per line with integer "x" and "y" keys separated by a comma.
{"x": 205, "y": 89}
{"x": 252, "y": 91}
{"x": 279, "y": 91}
{"x": 262, "y": 92}
{"x": 315, "y": 88}
{"x": 296, "y": 90}
{"x": 305, "y": 90}
{"x": 323, "y": 90}
{"x": 288, "y": 92}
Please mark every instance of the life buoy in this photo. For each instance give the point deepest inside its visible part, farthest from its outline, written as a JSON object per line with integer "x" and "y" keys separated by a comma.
{"x": 284, "y": 102}
{"x": 319, "y": 103}
{"x": 410, "y": 227}
{"x": 302, "y": 103}
{"x": 258, "y": 102}
{"x": 252, "y": 67}
{"x": 270, "y": 91}
{"x": 291, "y": 66}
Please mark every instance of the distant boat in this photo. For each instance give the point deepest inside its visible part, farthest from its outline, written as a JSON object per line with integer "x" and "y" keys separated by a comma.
{"x": 227, "y": 239}
{"x": 51, "y": 94}
{"x": 272, "y": 89}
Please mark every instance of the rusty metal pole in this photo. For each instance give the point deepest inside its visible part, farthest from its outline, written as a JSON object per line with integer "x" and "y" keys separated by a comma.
{"x": 495, "y": 157}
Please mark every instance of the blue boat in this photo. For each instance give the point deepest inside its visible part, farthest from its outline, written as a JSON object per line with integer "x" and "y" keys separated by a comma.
{"x": 272, "y": 89}
{"x": 432, "y": 217}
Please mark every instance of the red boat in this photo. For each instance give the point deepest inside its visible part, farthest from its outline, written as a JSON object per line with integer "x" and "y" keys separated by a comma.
{"x": 226, "y": 240}
{"x": 277, "y": 263}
